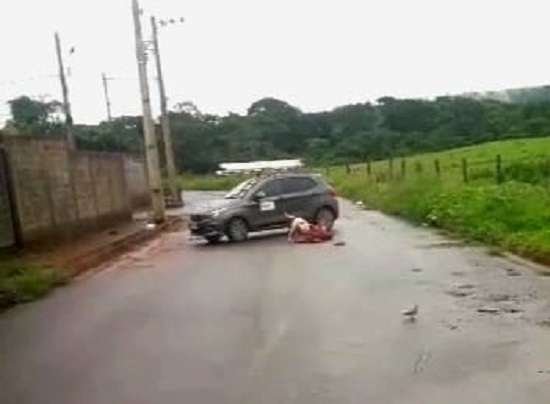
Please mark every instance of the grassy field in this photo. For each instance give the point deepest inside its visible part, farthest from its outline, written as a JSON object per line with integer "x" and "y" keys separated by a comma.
{"x": 503, "y": 201}
{"x": 524, "y": 160}
{"x": 506, "y": 206}
{"x": 21, "y": 281}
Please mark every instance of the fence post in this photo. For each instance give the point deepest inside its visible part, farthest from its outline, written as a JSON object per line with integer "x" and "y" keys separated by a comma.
{"x": 348, "y": 170}
{"x": 465, "y": 169}
{"x": 403, "y": 167}
{"x": 437, "y": 167}
{"x": 418, "y": 167}
{"x": 390, "y": 162}
{"x": 499, "y": 169}
{"x": 368, "y": 168}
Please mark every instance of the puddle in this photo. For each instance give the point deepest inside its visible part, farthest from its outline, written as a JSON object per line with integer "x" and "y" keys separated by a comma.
{"x": 459, "y": 293}
{"x": 445, "y": 244}
{"x": 500, "y": 297}
{"x": 512, "y": 272}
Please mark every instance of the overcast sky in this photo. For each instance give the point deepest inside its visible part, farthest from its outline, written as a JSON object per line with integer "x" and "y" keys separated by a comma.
{"x": 315, "y": 54}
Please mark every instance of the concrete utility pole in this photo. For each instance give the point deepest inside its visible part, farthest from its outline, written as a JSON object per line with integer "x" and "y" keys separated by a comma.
{"x": 165, "y": 121}
{"x": 64, "y": 88}
{"x": 107, "y": 99}
{"x": 151, "y": 149}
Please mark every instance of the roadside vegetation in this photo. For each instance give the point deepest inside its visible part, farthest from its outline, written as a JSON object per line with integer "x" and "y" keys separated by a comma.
{"x": 196, "y": 182}
{"x": 503, "y": 201}
{"x": 497, "y": 193}
{"x": 22, "y": 281}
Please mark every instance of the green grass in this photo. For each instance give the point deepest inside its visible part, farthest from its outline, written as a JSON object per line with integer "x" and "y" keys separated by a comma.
{"x": 512, "y": 215}
{"x": 22, "y": 282}
{"x": 209, "y": 182}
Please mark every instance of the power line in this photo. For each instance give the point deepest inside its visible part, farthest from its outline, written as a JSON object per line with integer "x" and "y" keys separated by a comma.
{"x": 27, "y": 79}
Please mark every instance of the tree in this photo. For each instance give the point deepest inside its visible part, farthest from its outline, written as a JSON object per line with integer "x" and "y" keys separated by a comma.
{"x": 35, "y": 117}
{"x": 273, "y": 128}
{"x": 123, "y": 134}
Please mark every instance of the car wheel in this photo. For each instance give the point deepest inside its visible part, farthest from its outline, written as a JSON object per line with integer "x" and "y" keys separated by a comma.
{"x": 237, "y": 230}
{"x": 213, "y": 239}
{"x": 325, "y": 217}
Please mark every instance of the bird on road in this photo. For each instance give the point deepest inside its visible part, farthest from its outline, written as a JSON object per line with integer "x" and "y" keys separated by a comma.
{"x": 410, "y": 313}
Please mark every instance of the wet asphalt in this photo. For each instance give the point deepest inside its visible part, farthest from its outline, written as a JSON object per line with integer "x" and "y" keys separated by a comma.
{"x": 177, "y": 321}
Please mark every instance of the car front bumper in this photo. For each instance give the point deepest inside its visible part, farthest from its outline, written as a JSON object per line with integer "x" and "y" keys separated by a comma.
{"x": 206, "y": 227}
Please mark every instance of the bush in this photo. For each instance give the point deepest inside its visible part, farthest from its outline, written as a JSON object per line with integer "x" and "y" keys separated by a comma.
{"x": 513, "y": 215}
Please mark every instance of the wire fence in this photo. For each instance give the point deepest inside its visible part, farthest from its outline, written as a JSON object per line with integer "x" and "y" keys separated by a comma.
{"x": 499, "y": 169}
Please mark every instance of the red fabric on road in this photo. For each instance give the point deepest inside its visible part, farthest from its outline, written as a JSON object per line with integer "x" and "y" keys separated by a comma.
{"x": 315, "y": 234}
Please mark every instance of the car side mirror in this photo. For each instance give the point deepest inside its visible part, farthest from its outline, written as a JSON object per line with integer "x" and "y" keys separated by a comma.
{"x": 259, "y": 196}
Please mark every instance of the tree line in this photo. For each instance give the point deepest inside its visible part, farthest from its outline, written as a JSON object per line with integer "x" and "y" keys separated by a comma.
{"x": 273, "y": 128}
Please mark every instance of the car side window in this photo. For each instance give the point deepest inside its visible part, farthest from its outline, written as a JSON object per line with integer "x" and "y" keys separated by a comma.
{"x": 271, "y": 188}
{"x": 294, "y": 185}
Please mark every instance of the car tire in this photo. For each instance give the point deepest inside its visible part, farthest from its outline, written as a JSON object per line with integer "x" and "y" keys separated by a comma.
{"x": 325, "y": 217}
{"x": 237, "y": 230}
{"x": 213, "y": 239}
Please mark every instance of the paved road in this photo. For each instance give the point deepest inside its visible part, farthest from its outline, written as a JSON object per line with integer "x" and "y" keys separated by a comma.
{"x": 268, "y": 322}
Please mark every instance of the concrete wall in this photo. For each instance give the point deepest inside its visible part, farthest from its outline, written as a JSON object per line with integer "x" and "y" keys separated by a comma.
{"x": 136, "y": 182}
{"x": 61, "y": 193}
{"x": 7, "y": 236}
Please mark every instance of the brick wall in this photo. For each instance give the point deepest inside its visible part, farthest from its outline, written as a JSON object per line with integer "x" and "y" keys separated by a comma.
{"x": 61, "y": 193}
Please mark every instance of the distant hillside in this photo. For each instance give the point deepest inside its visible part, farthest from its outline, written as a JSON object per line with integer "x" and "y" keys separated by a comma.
{"x": 525, "y": 95}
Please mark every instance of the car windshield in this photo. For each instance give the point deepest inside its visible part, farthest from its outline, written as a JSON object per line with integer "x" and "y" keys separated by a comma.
{"x": 241, "y": 190}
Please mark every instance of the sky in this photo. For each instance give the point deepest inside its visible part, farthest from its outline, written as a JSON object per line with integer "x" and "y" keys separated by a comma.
{"x": 314, "y": 54}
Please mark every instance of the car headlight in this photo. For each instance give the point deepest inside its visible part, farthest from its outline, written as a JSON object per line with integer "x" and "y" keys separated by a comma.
{"x": 217, "y": 212}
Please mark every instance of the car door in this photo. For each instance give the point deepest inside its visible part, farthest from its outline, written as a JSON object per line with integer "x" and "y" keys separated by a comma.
{"x": 268, "y": 209}
{"x": 299, "y": 197}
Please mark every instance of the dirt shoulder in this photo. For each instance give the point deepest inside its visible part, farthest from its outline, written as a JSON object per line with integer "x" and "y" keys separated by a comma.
{"x": 29, "y": 275}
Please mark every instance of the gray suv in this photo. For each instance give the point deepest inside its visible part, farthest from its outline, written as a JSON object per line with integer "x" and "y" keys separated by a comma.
{"x": 262, "y": 204}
